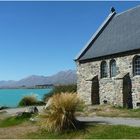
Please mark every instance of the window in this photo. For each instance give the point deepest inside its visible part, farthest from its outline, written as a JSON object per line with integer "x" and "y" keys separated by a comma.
{"x": 112, "y": 68}
{"x": 103, "y": 69}
{"x": 136, "y": 65}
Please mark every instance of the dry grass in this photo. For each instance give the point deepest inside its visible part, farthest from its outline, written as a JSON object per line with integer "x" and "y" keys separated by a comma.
{"x": 3, "y": 116}
{"x": 109, "y": 111}
{"x": 17, "y": 132}
{"x": 61, "y": 113}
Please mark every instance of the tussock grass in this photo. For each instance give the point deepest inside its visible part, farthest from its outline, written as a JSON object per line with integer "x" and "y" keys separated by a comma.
{"x": 61, "y": 113}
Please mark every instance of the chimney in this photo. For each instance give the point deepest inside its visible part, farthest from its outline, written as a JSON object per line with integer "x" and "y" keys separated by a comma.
{"x": 112, "y": 9}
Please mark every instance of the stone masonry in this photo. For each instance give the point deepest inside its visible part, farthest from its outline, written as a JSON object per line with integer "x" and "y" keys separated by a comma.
{"x": 111, "y": 90}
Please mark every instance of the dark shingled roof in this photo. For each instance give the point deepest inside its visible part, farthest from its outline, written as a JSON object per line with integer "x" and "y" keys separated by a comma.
{"x": 121, "y": 34}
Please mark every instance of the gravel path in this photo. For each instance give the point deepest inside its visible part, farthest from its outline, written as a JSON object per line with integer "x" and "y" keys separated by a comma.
{"x": 98, "y": 120}
{"x": 112, "y": 121}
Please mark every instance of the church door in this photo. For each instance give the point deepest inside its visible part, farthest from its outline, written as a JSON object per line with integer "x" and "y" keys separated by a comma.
{"x": 95, "y": 91}
{"x": 127, "y": 93}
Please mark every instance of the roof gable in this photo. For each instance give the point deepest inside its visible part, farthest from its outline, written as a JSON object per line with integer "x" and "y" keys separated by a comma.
{"x": 119, "y": 33}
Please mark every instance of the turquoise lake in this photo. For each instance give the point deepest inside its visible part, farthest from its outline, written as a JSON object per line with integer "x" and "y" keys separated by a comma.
{"x": 11, "y": 97}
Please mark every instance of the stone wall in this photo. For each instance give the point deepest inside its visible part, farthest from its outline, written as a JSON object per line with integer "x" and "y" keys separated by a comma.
{"x": 110, "y": 89}
{"x": 136, "y": 90}
{"x": 106, "y": 90}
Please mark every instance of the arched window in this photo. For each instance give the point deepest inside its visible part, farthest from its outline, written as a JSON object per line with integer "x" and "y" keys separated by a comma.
{"x": 112, "y": 68}
{"x": 136, "y": 65}
{"x": 103, "y": 69}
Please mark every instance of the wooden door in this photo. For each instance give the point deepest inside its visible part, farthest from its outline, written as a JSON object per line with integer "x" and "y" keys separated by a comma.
{"x": 127, "y": 93}
{"x": 95, "y": 91}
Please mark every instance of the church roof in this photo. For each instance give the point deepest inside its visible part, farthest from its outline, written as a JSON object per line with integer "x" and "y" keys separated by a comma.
{"x": 119, "y": 33}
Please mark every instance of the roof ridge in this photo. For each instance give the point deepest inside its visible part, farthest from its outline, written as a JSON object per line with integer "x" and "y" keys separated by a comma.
{"x": 133, "y": 8}
{"x": 86, "y": 47}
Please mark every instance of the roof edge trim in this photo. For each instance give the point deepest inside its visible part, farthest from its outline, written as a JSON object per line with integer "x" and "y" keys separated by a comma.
{"x": 87, "y": 46}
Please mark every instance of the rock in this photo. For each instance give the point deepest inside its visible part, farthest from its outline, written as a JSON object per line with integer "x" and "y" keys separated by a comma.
{"x": 32, "y": 110}
{"x": 28, "y": 112}
{"x": 23, "y": 115}
{"x": 18, "y": 114}
{"x": 34, "y": 119}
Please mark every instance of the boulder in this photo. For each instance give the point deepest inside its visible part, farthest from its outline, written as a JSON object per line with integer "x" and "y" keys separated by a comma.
{"x": 32, "y": 110}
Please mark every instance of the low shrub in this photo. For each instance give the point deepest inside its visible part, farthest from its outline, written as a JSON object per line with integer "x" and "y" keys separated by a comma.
{"x": 30, "y": 100}
{"x": 59, "y": 89}
{"x": 65, "y": 88}
{"x": 61, "y": 113}
{"x": 3, "y": 107}
{"x": 39, "y": 103}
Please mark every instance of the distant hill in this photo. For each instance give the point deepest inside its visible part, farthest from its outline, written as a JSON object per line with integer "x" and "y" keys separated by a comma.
{"x": 62, "y": 77}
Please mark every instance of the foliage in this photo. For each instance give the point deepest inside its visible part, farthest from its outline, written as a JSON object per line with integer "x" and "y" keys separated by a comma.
{"x": 65, "y": 88}
{"x": 40, "y": 103}
{"x": 30, "y": 100}
{"x": 60, "y": 115}
{"x": 91, "y": 132}
{"x": 60, "y": 89}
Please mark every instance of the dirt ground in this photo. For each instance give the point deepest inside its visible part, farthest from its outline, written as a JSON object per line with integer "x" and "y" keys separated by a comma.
{"x": 16, "y": 132}
{"x": 109, "y": 111}
{"x": 21, "y": 130}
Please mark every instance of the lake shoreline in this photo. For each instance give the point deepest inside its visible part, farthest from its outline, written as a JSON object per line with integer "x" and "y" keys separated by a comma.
{"x": 11, "y": 97}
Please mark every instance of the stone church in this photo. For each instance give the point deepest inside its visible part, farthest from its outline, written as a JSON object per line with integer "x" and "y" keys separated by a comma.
{"x": 108, "y": 67}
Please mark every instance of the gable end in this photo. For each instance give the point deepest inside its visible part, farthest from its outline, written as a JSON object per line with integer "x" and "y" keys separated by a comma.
{"x": 95, "y": 35}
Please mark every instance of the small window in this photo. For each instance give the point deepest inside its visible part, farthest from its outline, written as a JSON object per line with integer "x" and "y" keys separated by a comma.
{"x": 105, "y": 101}
{"x": 112, "y": 68}
{"x": 138, "y": 104}
{"x": 103, "y": 69}
{"x": 136, "y": 65}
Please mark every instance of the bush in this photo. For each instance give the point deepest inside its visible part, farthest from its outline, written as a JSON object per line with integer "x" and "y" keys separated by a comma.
{"x": 61, "y": 113}
{"x": 30, "y": 100}
{"x": 60, "y": 89}
{"x": 65, "y": 88}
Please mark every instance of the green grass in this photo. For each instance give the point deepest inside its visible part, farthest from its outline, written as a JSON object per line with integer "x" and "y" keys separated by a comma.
{"x": 91, "y": 132}
{"x": 12, "y": 121}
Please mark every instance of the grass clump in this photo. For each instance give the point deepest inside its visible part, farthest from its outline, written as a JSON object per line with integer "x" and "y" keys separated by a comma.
{"x": 59, "y": 89}
{"x": 61, "y": 113}
{"x": 30, "y": 100}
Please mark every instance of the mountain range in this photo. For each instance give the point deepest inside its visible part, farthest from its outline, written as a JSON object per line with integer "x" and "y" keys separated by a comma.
{"x": 60, "y": 78}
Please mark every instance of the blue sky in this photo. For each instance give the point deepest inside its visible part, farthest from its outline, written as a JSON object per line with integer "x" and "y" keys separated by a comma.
{"x": 42, "y": 38}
